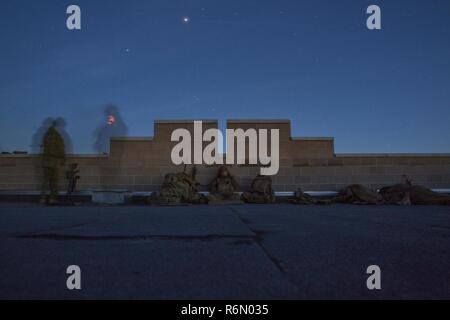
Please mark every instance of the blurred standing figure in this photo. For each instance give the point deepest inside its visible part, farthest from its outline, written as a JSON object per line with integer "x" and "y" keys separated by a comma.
{"x": 60, "y": 124}
{"x": 38, "y": 137}
{"x": 113, "y": 126}
{"x": 53, "y": 156}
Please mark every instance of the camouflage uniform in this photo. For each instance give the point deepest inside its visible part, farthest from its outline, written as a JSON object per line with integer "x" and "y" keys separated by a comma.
{"x": 72, "y": 177}
{"x": 359, "y": 194}
{"x": 261, "y": 191}
{"x": 223, "y": 187}
{"x": 407, "y": 194}
{"x": 303, "y": 198}
{"x": 53, "y": 156}
{"x": 178, "y": 188}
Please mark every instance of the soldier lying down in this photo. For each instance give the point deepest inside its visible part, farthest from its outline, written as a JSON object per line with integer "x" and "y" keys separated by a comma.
{"x": 401, "y": 194}
{"x": 407, "y": 193}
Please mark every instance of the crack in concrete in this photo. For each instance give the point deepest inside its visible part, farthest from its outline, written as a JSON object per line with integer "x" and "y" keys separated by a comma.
{"x": 66, "y": 237}
{"x": 259, "y": 238}
{"x": 439, "y": 227}
{"x": 61, "y": 228}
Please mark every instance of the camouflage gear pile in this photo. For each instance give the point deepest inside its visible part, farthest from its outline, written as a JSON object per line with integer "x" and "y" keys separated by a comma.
{"x": 223, "y": 187}
{"x": 407, "y": 194}
{"x": 401, "y": 194}
{"x": 178, "y": 188}
{"x": 359, "y": 194}
{"x": 303, "y": 198}
{"x": 261, "y": 191}
{"x": 53, "y": 156}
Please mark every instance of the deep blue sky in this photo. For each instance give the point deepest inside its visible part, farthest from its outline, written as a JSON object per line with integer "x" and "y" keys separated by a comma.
{"x": 313, "y": 62}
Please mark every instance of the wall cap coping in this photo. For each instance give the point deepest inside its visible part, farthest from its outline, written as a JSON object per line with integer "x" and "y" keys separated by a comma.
{"x": 120, "y": 191}
{"x": 148, "y": 193}
{"x": 28, "y": 155}
{"x": 75, "y": 155}
{"x": 185, "y": 121}
{"x": 390, "y": 155}
{"x": 312, "y": 138}
{"x": 337, "y": 155}
{"x": 131, "y": 139}
{"x": 87, "y": 155}
{"x": 259, "y": 121}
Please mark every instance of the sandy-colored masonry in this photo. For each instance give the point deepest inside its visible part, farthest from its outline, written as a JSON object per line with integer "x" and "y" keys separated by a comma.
{"x": 139, "y": 164}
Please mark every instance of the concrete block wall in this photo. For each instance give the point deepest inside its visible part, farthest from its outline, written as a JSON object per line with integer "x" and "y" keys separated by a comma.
{"x": 139, "y": 164}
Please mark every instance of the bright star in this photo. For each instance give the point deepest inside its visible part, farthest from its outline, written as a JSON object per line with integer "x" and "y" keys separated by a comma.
{"x": 186, "y": 19}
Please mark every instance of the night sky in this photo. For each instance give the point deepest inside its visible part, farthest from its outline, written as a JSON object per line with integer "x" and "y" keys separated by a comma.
{"x": 313, "y": 62}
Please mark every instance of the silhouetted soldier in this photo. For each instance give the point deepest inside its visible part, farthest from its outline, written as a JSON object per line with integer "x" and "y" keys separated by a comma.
{"x": 53, "y": 157}
{"x": 38, "y": 137}
{"x": 72, "y": 177}
{"x": 223, "y": 187}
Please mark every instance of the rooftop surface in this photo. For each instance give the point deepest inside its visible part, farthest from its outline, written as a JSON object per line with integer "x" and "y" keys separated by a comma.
{"x": 225, "y": 252}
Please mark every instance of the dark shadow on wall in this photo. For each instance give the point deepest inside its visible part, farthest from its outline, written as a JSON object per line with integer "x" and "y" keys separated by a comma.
{"x": 112, "y": 126}
{"x": 38, "y": 136}
{"x": 60, "y": 125}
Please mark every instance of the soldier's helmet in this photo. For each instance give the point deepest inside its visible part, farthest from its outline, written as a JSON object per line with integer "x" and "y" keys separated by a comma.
{"x": 170, "y": 178}
{"x": 223, "y": 172}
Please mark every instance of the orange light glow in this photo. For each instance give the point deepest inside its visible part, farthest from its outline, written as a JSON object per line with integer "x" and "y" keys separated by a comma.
{"x": 111, "y": 120}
